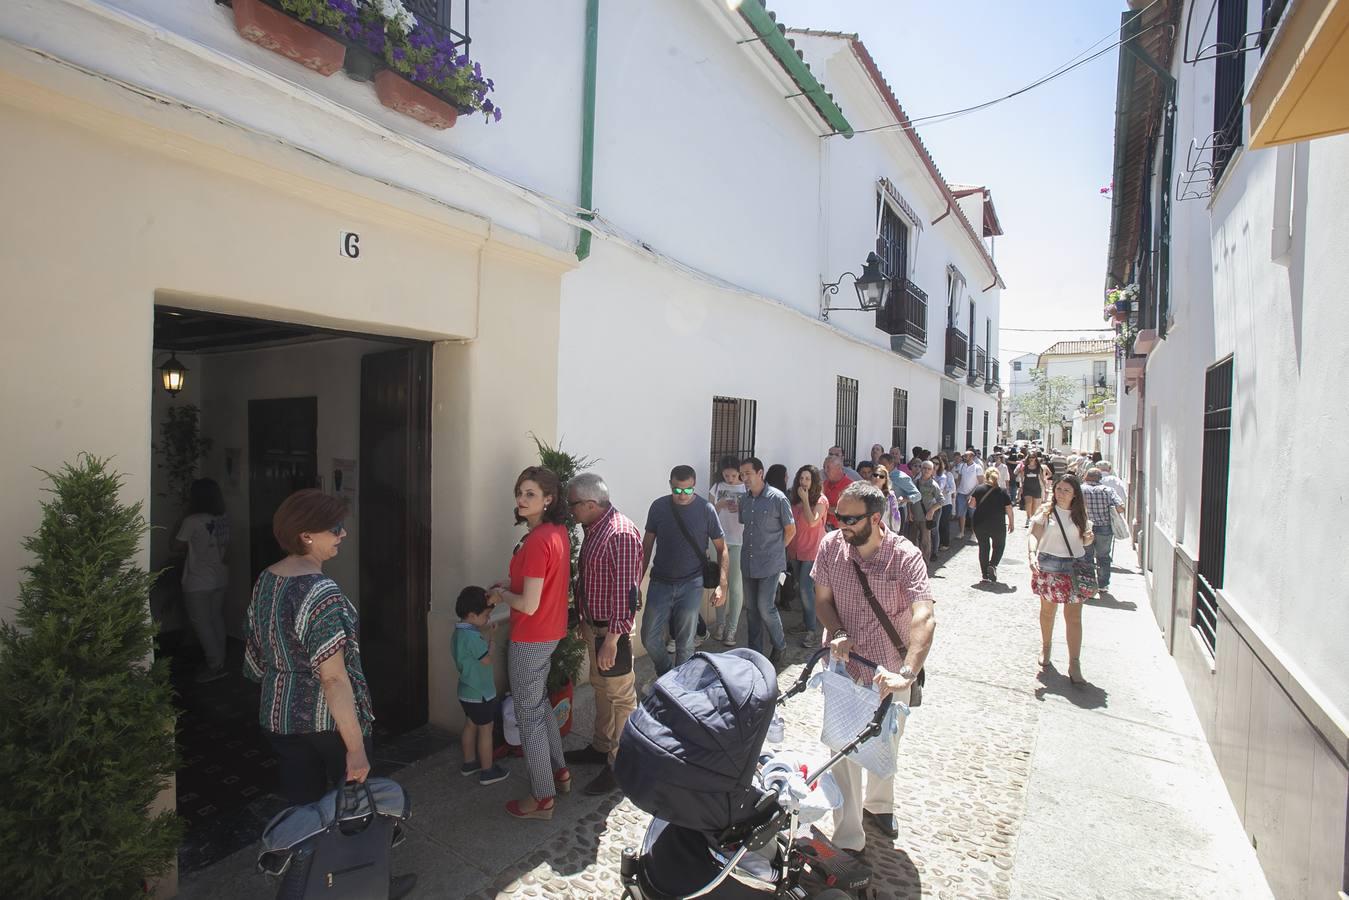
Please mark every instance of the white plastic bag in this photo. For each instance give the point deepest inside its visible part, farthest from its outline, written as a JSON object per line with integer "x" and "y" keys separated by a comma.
{"x": 784, "y": 770}
{"x": 848, "y": 708}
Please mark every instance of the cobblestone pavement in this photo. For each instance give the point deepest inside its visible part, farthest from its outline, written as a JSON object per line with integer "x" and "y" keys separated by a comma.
{"x": 967, "y": 757}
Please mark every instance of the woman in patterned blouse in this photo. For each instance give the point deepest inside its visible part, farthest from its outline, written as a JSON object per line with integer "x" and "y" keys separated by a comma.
{"x": 302, "y": 645}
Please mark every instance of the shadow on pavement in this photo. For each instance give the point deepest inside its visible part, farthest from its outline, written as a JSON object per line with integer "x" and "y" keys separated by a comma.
{"x": 996, "y": 587}
{"x": 1083, "y": 696}
{"x": 1107, "y": 600}
{"x": 893, "y": 874}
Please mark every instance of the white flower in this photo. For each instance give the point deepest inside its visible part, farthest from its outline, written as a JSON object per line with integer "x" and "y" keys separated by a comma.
{"x": 396, "y": 14}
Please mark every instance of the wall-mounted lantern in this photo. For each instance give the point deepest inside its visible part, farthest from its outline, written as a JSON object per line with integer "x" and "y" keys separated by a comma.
{"x": 174, "y": 374}
{"x": 872, "y": 289}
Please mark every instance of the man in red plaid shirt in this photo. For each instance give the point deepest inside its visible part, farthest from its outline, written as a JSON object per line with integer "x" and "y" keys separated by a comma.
{"x": 607, "y": 592}
{"x": 896, "y": 573}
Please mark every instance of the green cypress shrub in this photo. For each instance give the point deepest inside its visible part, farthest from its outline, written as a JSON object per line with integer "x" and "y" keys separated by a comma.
{"x": 86, "y": 736}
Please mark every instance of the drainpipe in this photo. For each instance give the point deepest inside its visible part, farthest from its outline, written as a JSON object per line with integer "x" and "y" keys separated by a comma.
{"x": 588, "y": 123}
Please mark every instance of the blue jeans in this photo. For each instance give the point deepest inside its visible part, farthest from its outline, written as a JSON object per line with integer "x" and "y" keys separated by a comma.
{"x": 671, "y": 609}
{"x": 728, "y": 614}
{"x": 760, "y": 594}
{"x": 805, "y": 589}
{"x": 1101, "y": 551}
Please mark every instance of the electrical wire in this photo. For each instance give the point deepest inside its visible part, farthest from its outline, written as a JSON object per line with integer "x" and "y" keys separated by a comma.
{"x": 938, "y": 118}
{"x": 1054, "y": 330}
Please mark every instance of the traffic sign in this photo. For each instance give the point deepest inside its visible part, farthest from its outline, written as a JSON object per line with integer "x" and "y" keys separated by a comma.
{"x": 1108, "y": 427}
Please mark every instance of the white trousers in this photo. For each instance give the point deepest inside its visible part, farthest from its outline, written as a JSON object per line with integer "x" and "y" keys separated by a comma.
{"x": 862, "y": 790}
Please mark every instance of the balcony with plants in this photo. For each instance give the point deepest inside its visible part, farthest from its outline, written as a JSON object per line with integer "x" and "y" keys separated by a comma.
{"x": 418, "y": 65}
{"x": 904, "y": 318}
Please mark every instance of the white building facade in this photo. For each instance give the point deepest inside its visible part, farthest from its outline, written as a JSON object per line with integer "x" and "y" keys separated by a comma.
{"x": 1018, "y": 381}
{"x": 1232, "y": 159}
{"x": 716, "y": 335}
{"x": 1090, "y": 366}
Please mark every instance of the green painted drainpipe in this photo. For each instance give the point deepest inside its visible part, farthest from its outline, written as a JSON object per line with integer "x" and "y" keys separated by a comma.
{"x": 588, "y": 122}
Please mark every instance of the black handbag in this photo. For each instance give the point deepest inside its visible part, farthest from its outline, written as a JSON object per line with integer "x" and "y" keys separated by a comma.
{"x": 1084, "y": 570}
{"x": 622, "y": 660}
{"x": 711, "y": 569}
{"x": 348, "y": 860}
{"x": 916, "y": 689}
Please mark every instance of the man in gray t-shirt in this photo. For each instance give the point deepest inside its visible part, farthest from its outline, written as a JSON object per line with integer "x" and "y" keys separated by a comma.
{"x": 769, "y": 528}
{"x": 675, "y": 593}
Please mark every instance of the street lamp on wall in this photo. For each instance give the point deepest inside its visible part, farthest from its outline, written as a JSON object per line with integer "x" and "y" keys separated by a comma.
{"x": 173, "y": 374}
{"x": 872, "y": 289}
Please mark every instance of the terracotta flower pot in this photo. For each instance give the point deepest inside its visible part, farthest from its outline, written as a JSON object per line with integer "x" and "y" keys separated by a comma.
{"x": 269, "y": 27}
{"x": 397, "y": 93}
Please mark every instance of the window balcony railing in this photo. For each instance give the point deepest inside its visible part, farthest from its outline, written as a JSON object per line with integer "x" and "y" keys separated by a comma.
{"x": 957, "y": 351}
{"x": 993, "y": 384}
{"x": 978, "y": 371}
{"x": 904, "y": 318}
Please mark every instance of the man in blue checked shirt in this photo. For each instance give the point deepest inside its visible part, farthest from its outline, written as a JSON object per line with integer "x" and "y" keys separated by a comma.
{"x": 1100, "y": 500}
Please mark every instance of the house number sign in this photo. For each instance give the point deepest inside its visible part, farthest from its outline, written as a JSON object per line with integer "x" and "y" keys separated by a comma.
{"x": 351, "y": 245}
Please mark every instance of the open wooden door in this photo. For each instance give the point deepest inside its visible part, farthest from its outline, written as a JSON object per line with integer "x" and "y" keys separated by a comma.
{"x": 395, "y": 519}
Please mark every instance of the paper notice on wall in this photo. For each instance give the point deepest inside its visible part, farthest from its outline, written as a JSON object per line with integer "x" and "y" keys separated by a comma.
{"x": 344, "y": 480}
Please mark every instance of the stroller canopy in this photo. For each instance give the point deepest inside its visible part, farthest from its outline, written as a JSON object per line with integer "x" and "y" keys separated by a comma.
{"x": 688, "y": 754}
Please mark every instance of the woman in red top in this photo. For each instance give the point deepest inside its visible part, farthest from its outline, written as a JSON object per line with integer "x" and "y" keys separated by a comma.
{"x": 809, "y": 508}
{"x": 537, "y": 595}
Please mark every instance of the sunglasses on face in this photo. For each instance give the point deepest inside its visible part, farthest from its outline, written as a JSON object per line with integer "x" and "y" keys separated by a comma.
{"x": 687, "y": 490}
{"x": 879, "y": 476}
{"x": 849, "y": 520}
{"x": 337, "y": 529}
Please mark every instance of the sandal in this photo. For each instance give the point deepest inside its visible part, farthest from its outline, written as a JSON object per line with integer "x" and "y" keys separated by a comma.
{"x": 562, "y": 780}
{"x": 1044, "y": 658}
{"x": 542, "y": 809}
{"x": 1075, "y": 672}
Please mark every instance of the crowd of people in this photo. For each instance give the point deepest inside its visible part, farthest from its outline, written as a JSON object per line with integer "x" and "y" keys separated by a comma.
{"x": 850, "y": 546}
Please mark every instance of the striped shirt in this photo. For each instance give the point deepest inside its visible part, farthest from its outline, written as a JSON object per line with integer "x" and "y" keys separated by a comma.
{"x": 294, "y": 624}
{"x": 611, "y": 567}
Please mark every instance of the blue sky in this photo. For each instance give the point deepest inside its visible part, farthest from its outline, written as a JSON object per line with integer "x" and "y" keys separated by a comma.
{"x": 1045, "y": 155}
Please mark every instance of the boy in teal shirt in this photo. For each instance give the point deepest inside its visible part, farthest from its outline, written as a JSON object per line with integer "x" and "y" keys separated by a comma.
{"x": 477, "y": 688}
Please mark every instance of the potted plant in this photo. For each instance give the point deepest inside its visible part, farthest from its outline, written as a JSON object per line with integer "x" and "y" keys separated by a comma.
{"x": 86, "y": 725}
{"x": 306, "y": 31}
{"x": 570, "y": 653}
{"x": 1119, "y": 302}
{"x": 428, "y": 77}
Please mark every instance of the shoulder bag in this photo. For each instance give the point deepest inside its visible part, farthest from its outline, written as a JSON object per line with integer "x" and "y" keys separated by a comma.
{"x": 711, "y": 569}
{"x": 1084, "y": 570}
{"x": 916, "y": 691}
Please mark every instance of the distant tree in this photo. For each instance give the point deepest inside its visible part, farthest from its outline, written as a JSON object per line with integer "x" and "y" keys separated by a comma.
{"x": 1046, "y": 401}
{"x": 86, "y": 722}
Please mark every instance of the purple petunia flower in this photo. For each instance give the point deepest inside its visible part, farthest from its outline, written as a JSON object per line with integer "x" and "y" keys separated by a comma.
{"x": 477, "y": 70}
{"x": 496, "y": 114}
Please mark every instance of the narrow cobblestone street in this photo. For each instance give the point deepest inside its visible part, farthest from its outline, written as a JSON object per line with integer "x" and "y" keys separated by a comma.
{"x": 1014, "y": 783}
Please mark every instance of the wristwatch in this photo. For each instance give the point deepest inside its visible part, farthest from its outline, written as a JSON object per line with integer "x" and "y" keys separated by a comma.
{"x": 839, "y": 632}
{"x": 905, "y": 671}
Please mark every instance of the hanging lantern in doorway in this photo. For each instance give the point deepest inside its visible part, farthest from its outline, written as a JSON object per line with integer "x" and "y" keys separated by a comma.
{"x": 174, "y": 374}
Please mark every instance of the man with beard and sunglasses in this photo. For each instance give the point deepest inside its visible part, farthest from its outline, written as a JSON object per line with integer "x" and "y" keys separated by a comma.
{"x": 864, "y": 558}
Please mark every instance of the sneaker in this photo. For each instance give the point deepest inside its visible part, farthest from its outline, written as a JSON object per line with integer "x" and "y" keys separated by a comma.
{"x": 810, "y": 641}
{"x": 729, "y": 639}
{"x": 993, "y": 574}
{"x": 670, "y": 646}
{"x": 470, "y": 768}
{"x": 493, "y": 775}
{"x": 797, "y": 628}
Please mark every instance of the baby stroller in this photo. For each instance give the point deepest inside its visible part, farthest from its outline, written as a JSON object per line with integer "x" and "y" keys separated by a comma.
{"x": 689, "y": 756}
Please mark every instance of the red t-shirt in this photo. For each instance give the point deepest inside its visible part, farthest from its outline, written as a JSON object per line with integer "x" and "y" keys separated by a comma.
{"x": 546, "y": 554}
{"x": 832, "y": 491}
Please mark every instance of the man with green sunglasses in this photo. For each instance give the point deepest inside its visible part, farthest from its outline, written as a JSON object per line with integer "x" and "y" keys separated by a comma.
{"x": 678, "y": 528}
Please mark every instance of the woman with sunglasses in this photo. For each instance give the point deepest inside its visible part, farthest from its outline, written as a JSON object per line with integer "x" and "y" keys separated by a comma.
{"x": 893, "y": 516}
{"x": 301, "y": 643}
{"x": 810, "y": 508}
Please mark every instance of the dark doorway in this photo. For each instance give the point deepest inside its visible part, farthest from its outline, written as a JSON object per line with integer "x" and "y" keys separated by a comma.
{"x": 948, "y": 424}
{"x": 282, "y": 459}
{"x": 395, "y": 518}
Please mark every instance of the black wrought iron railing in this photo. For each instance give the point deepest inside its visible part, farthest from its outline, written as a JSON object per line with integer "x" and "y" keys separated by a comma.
{"x": 957, "y": 348}
{"x": 993, "y": 371}
{"x": 438, "y": 15}
{"x": 978, "y": 364}
{"x": 905, "y": 312}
